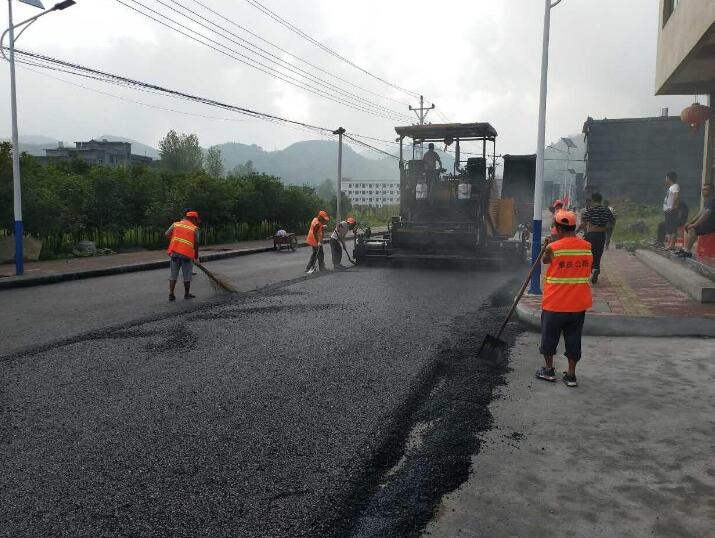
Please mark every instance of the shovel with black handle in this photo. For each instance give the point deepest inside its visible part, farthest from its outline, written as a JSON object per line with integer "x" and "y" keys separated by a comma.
{"x": 493, "y": 347}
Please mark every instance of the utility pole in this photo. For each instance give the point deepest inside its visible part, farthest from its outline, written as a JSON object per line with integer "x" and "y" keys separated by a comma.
{"x": 421, "y": 113}
{"x": 17, "y": 196}
{"x": 340, "y": 131}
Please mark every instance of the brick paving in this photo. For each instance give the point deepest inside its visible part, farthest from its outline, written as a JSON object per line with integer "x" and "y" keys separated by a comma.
{"x": 627, "y": 287}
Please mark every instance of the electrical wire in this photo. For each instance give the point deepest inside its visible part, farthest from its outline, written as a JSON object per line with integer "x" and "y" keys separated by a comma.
{"x": 248, "y": 60}
{"x": 264, "y": 54}
{"x": 45, "y": 62}
{"x": 288, "y": 53}
{"x": 324, "y": 47}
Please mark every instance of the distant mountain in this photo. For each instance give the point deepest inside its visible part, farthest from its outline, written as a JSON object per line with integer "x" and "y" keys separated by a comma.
{"x": 309, "y": 162}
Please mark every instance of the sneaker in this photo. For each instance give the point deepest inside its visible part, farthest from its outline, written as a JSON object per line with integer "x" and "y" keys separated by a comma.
{"x": 547, "y": 374}
{"x": 189, "y": 296}
{"x": 569, "y": 380}
{"x": 310, "y": 271}
{"x": 172, "y": 297}
{"x": 684, "y": 254}
{"x": 324, "y": 268}
{"x": 339, "y": 266}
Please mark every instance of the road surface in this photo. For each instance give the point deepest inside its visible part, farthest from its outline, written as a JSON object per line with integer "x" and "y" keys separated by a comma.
{"x": 41, "y": 314}
{"x": 341, "y": 404}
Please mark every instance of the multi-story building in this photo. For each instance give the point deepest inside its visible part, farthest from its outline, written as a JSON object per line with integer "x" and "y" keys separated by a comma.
{"x": 627, "y": 158}
{"x": 98, "y": 152}
{"x": 685, "y": 64}
{"x": 372, "y": 192}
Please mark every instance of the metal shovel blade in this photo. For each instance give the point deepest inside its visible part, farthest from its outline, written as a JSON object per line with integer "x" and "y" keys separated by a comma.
{"x": 492, "y": 349}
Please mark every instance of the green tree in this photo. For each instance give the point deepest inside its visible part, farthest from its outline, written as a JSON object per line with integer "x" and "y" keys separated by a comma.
{"x": 214, "y": 163}
{"x": 244, "y": 170}
{"x": 181, "y": 153}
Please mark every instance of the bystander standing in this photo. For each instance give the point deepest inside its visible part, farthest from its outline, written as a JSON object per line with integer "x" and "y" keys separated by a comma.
{"x": 595, "y": 221}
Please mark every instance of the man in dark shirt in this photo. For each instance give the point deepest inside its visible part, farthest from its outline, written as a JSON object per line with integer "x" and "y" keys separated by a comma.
{"x": 703, "y": 224}
{"x": 595, "y": 221}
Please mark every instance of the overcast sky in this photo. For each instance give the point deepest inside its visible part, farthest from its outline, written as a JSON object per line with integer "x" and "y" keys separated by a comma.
{"x": 478, "y": 60}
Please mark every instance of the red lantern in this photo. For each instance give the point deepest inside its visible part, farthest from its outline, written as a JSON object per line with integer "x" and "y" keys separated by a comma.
{"x": 695, "y": 115}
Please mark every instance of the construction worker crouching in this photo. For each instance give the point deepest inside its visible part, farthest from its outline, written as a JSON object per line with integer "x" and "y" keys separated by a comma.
{"x": 337, "y": 240}
{"x": 183, "y": 250}
{"x": 315, "y": 240}
{"x": 567, "y": 296}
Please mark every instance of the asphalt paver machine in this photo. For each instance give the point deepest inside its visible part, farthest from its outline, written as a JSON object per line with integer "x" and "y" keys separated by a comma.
{"x": 445, "y": 215}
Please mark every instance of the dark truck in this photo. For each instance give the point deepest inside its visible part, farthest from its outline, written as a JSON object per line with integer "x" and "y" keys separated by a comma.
{"x": 448, "y": 216}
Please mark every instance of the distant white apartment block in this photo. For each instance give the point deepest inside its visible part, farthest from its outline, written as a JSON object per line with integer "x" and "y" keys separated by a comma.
{"x": 372, "y": 192}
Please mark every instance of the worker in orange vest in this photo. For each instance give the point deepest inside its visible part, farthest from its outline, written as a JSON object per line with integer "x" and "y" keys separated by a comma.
{"x": 567, "y": 296}
{"x": 183, "y": 250}
{"x": 315, "y": 240}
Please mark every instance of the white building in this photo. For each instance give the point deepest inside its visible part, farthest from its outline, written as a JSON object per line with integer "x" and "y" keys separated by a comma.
{"x": 372, "y": 192}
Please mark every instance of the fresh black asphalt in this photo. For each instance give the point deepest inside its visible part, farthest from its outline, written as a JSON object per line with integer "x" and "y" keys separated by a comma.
{"x": 274, "y": 414}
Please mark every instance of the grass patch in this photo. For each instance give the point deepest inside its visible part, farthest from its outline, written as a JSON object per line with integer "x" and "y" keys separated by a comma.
{"x": 635, "y": 222}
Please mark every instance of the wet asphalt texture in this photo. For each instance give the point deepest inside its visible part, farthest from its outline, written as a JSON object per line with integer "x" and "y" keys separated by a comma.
{"x": 342, "y": 404}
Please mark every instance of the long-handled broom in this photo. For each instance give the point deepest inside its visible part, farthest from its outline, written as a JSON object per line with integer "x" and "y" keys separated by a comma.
{"x": 217, "y": 281}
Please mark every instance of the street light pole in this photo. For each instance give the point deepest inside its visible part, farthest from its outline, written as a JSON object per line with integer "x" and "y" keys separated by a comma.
{"x": 541, "y": 140}
{"x": 17, "y": 192}
{"x": 16, "y": 183}
{"x": 340, "y": 131}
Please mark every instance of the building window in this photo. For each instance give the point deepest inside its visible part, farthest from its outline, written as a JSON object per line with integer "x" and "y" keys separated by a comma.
{"x": 668, "y": 7}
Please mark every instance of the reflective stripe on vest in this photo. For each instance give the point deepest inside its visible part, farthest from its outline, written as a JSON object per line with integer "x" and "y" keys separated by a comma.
{"x": 566, "y": 286}
{"x": 182, "y": 239}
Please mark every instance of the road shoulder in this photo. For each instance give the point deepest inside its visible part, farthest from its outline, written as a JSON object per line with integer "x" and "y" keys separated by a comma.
{"x": 628, "y": 453}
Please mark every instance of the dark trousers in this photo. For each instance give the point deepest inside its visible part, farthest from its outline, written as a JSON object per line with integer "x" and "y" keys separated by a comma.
{"x": 319, "y": 256}
{"x": 667, "y": 227}
{"x": 598, "y": 242}
{"x": 554, "y": 324}
{"x": 336, "y": 251}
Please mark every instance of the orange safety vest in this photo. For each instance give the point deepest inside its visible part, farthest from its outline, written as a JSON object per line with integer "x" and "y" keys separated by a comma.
{"x": 567, "y": 287}
{"x": 315, "y": 233}
{"x": 182, "y": 241}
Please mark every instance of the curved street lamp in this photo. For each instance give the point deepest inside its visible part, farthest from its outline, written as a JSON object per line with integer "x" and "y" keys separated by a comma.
{"x": 16, "y": 184}
{"x": 541, "y": 141}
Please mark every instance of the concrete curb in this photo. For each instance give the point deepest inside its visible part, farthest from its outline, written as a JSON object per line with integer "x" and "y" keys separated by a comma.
{"x": 616, "y": 325}
{"x": 24, "y": 282}
{"x": 680, "y": 275}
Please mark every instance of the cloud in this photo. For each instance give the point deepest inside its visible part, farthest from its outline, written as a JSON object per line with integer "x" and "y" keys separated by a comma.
{"x": 478, "y": 60}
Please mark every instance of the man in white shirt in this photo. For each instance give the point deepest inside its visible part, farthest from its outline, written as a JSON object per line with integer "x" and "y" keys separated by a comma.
{"x": 337, "y": 240}
{"x": 431, "y": 158}
{"x": 667, "y": 229}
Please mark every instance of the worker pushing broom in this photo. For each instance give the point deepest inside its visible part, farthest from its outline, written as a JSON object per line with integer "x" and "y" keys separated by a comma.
{"x": 183, "y": 253}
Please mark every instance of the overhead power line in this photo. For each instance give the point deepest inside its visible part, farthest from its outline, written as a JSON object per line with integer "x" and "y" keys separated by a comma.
{"x": 324, "y": 47}
{"x": 255, "y": 64}
{"x": 46, "y": 62}
{"x": 288, "y": 53}
{"x": 266, "y": 55}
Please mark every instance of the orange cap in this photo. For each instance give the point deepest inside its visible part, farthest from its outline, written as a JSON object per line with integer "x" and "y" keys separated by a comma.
{"x": 193, "y": 214}
{"x": 567, "y": 218}
{"x": 323, "y": 215}
{"x": 351, "y": 221}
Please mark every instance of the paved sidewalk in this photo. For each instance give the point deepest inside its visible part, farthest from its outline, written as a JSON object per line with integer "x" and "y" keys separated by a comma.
{"x": 627, "y": 453}
{"x": 631, "y": 299}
